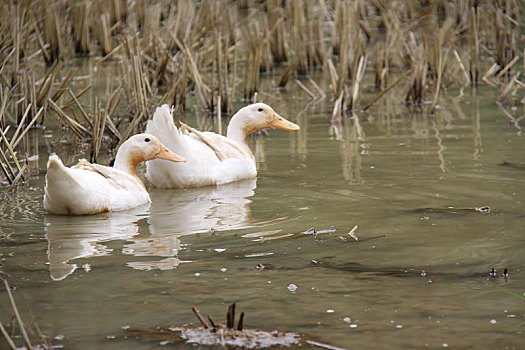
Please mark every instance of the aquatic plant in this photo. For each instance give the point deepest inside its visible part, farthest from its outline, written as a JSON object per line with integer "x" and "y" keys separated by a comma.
{"x": 177, "y": 52}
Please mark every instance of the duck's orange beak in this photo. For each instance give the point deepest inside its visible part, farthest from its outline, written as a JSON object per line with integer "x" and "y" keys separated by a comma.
{"x": 166, "y": 154}
{"x": 281, "y": 123}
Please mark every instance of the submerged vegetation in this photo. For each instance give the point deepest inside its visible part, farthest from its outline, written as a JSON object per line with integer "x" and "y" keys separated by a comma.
{"x": 191, "y": 52}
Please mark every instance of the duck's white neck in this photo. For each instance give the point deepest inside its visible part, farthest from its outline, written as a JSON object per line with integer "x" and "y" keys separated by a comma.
{"x": 239, "y": 132}
{"x": 127, "y": 161}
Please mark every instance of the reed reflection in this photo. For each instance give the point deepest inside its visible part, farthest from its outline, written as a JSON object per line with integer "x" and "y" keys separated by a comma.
{"x": 351, "y": 136}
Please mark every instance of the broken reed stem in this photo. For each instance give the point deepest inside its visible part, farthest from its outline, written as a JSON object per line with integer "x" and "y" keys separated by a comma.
{"x": 230, "y": 316}
{"x": 10, "y": 149}
{"x": 80, "y": 108}
{"x": 20, "y": 124}
{"x": 508, "y": 88}
{"x": 77, "y": 96}
{"x": 489, "y": 73}
{"x": 305, "y": 89}
{"x": 17, "y": 315}
{"x": 387, "y": 89}
{"x": 6, "y": 168}
{"x": 199, "y": 316}
{"x": 360, "y": 72}
{"x": 75, "y": 127}
{"x": 240, "y": 325}
{"x": 441, "y": 66}
{"x": 14, "y": 142}
{"x": 7, "y": 337}
{"x": 508, "y": 66}
{"x": 474, "y": 45}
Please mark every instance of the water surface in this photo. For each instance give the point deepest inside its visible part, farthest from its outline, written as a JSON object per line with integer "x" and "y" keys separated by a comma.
{"x": 417, "y": 277}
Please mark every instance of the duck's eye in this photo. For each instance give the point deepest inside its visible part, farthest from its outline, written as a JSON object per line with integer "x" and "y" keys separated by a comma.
{"x": 260, "y": 110}
{"x": 147, "y": 139}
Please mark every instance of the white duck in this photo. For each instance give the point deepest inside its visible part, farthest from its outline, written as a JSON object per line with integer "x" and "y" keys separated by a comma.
{"x": 92, "y": 188}
{"x": 211, "y": 159}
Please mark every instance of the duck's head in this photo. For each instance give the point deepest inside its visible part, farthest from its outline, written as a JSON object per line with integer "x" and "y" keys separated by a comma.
{"x": 143, "y": 147}
{"x": 259, "y": 116}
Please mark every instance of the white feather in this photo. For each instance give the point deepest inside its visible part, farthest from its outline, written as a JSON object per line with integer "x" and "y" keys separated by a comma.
{"x": 211, "y": 159}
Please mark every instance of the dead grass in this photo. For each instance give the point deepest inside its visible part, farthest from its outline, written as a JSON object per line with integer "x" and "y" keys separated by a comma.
{"x": 174, "y": 52}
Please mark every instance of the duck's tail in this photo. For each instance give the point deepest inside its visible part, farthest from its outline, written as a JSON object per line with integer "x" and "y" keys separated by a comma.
{"x": 59, "y": 181}
{"x": 162, "y": 126}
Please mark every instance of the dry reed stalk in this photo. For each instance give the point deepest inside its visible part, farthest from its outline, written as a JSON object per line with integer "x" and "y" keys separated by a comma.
{"x": 81, "y": 31}
{"x": 460, "y": 66}
{"x": 252, "y": 61}
{"x": 419, "y": 68}
{"x": 17, "y": 315}
{"x": 490, "y": 72}
{"x": 305, "y": 89}
{"x": 358, "y": 77}
{"x": 508, "y": 88}
{"x": 338, "y": 108}
{"x": 441, "y": 51}
{"x": 474, "y": 45}
{"x": 10, "y": 341}
{"x": 219, "y": 122}
{"x": 334, "y": 78}
{"x": 83, "y": 113}
{"x": 506, "y": 32}
{"x": 387, "y": 89}
{"x": 8, "y": 171}
{"x": 277, "y": 32}
{"x": 344, "y": 46}
{"x": 151, "y": 22}
{"x": 317, "y": 88}
{"x": 202, "y": 89}
{"x": 103, "y": 32}
{"x": 52, "y": 33}
{"x": 13, "y": 156}
{"x": 16, "y": 141}
{"x": 508, "y": 67}
{"x": 74, "y": 126}
{"x": 97, "y": 133}
{"x": 380, "y": 66}
{"x": 513, "y": 121}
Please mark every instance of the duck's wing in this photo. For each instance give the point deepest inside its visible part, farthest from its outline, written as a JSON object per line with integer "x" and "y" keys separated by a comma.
{"x": 89, "y": 188}
{"x": 223, "y": 147}
{"x": 184, "y": 143}
{"x": 115, "y": 177}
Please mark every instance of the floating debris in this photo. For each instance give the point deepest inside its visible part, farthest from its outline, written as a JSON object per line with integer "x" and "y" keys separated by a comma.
{"x": 292, "y": 287}
{"x": 211, "y": 333}
{"x": 452, "y": 210}
{"x": 352, "y": 233}
{"x": 512, "y": 165}
{"x": 313, "y": 231}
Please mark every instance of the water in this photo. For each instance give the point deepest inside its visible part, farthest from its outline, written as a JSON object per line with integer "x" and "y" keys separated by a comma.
{"x": 418, "y": 276}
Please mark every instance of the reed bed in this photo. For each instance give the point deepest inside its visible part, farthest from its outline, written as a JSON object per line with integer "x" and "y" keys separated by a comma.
{"x": 211, "y": 54}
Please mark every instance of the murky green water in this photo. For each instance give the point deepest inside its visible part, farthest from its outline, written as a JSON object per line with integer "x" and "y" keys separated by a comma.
{"x": 417, "y": 278}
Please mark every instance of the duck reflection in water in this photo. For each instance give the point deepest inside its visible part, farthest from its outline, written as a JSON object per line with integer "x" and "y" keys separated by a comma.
{"x": 171, "y": 214}
{"x": 77, "y": 237}
{"x": 195, "y": 210}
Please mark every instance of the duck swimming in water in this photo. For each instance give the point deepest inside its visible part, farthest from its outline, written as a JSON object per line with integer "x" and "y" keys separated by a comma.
{"x": 88, "y": 188}
{"x": 211, "y": 159}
